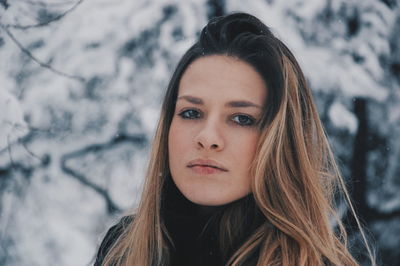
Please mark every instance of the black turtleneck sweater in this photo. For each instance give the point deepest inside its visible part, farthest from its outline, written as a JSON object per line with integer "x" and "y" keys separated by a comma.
{"x": 193, "y": 229}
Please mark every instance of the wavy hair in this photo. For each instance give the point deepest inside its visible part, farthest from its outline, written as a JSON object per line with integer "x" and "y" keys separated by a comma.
{"x": 295, "y": 176}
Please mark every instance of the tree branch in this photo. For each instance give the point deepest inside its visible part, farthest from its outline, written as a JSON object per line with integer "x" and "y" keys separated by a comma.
{"x": 111, "y": 206}
{"x": 43, "y": 4}
{"x": 38, "y": 61}
{"x": 45, "y": 23}
{"x": 9, "y": 150}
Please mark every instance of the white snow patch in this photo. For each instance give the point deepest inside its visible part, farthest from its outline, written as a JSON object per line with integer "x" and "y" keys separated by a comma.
{"x": 12, "y": 123}
{"x": 341, "y": 117}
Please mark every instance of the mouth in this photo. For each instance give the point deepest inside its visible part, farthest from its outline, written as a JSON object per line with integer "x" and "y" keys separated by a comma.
{"x": 201, "y": 164}
{"x": 206, "y": 166}
{"x": 206, "y": 170}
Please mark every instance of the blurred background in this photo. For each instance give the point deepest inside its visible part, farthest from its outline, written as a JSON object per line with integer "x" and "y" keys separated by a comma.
{"x": 81, "y": 83}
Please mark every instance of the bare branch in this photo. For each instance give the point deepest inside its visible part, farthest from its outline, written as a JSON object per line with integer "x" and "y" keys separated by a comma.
{"x": 45, "y": 23}
{"x": 31, "y": 153}
{"x": 38, "y": 61}
{"x": 44, "y": 4}
{"x": 137, "y": 140}
{"x": 111, "y": 206}
{"x": 28, "y": 127}
{"x": 9, "y": 150}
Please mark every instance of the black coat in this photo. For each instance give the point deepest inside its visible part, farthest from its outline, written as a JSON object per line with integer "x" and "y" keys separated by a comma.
{"x": 192, "y": 246}
{"x": 194, "y": 234}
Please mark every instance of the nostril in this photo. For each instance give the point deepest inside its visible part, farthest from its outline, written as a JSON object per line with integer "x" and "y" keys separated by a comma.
{"x": 200, "y": 144}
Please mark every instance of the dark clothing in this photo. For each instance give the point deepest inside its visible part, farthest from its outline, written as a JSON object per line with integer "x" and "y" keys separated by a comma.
{"x": 194, "y": 232}
{"x": 112, "y": 234}
{"x": 192, "y": 248}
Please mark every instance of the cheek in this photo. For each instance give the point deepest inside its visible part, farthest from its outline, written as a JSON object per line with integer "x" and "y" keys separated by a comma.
{"x": 177, "y": 140}
{"x": 252, "y": 147}
{"x": 245, "y": 150}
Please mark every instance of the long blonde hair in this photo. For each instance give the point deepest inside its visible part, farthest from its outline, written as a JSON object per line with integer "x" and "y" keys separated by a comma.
{"x": 294, "y": 174}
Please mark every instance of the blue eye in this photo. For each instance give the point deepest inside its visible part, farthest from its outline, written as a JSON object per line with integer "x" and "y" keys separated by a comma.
{"x": 244, "y": 120}
{"x": 239, "y": 119}
{"x": 189, "y": 114}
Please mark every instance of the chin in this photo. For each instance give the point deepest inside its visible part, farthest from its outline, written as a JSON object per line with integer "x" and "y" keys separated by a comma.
{"x": 210, "y": 199}
{"x": 210, "y": 191}
{"x": 207, "y": 202}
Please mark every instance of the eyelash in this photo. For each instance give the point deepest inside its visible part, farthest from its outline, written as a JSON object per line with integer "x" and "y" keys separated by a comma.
{"x": 250, "y": 119}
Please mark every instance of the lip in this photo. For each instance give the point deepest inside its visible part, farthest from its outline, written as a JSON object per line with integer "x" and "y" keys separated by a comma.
{"x": 206, "y": 165}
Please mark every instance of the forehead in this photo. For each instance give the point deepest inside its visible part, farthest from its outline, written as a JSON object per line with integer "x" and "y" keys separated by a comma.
{"x": 223, "y": 77}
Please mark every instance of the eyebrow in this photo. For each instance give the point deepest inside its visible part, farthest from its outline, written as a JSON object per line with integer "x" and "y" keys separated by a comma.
{"x": 199, "y": 101}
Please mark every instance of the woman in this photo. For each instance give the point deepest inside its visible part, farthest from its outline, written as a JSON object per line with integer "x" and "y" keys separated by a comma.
{"x": 241, "y": 172}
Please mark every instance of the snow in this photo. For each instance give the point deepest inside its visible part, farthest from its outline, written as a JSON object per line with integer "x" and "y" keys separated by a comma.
{"x": 12, "y": 124}
{"x": 124, "y": 52}
{"x": 342, "y": 118}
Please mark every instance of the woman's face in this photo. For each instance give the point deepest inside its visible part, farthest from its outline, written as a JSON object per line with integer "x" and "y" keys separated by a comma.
{"x": 213, "y": 134}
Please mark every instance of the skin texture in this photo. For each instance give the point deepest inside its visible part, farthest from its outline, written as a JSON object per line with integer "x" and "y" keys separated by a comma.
{"x": 204, "y": 126}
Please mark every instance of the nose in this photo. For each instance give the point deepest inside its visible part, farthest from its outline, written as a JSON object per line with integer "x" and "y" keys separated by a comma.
{"x": 209, "y": 137}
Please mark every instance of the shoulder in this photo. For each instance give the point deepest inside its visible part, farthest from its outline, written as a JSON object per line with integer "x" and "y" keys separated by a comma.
{"x": 111, "y": 236}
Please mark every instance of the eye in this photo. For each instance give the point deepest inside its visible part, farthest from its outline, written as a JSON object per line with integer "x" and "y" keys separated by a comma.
{"x": 244, "y": 120}
{"x": 190, "y": 114}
